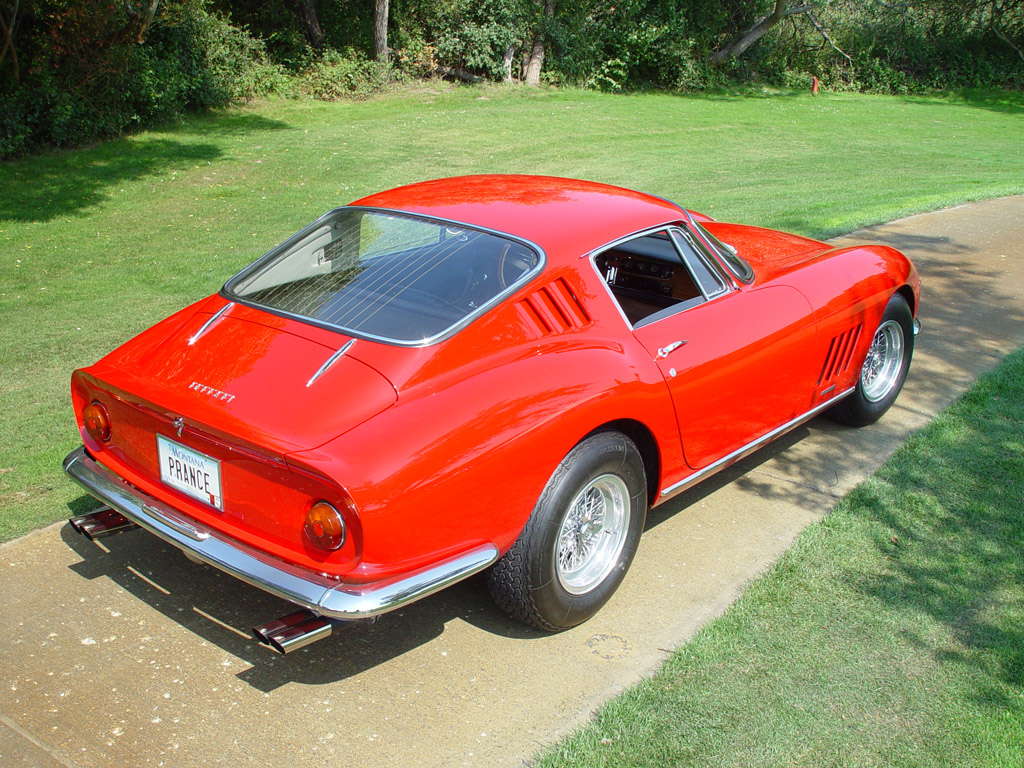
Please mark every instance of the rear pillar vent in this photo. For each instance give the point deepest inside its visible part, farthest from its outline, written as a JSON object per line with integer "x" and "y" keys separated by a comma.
{"x": 553, "y": 308}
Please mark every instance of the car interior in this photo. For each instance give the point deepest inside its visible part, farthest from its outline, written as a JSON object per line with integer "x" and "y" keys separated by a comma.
{"x": 650, "y": 279}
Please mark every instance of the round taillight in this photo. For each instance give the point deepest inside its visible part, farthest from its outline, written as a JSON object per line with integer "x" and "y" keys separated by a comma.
{"x": 96, "y": 421}
{"x": 325, "y": 526}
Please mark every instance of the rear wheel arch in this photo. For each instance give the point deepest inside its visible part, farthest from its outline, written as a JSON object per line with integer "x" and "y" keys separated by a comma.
{"x": 645, "y": 442}
{"x": 580, "y": 538}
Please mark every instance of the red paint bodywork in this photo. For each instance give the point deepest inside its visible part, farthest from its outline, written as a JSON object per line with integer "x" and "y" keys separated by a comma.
{"x": 446, "y": 446}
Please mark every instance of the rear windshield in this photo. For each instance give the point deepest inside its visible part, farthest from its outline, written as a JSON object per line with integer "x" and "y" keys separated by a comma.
{"x": 393, "y": 277}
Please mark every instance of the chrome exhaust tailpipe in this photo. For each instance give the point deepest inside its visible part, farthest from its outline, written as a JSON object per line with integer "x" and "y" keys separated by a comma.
{"x": 105, "y": 522}
{"x": 294, "y": 631}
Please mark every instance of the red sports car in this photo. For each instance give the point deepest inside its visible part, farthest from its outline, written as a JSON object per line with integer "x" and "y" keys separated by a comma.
{"x": 487, "y": 372}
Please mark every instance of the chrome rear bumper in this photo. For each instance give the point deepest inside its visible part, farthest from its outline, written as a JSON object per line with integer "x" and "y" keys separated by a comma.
{"x": 322, "y": 595}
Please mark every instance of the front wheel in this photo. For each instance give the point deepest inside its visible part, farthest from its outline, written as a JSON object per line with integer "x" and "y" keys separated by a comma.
{"x": 884, "y": 370}
{"x": 580, "y": 539}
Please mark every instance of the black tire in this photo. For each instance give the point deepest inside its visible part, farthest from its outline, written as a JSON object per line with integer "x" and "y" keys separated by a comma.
{"x": 884, "y": 370}
{"x": 554, "y": 579}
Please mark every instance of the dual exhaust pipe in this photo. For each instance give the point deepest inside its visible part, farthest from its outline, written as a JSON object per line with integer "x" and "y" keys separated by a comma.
{"x": 105, "y": 522}
{"x": 284, "y": 635}
{"x": 294, "y": 631}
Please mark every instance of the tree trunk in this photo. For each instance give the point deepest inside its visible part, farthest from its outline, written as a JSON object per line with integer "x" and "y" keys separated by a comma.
{"x": 535, "y": 62}
{"x": 311, "y": 24}
{"x": 138, "y": 21}
{"x": 506, "y": 61}
{"x": 759, "y": 30}
{"x": 380, "y": 30}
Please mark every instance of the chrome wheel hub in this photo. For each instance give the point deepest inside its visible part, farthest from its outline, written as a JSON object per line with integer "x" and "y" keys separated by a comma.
{"x": 882, "y": 366}
{"x": 592, "y": 534}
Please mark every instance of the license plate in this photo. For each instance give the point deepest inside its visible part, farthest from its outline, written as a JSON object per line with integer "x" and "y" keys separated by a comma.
{"x": 190, "y": 471}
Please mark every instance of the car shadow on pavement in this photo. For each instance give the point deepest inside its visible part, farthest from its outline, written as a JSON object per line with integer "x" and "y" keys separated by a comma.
{"x": 741, "y": 473}
{"x": 221, "y": 610}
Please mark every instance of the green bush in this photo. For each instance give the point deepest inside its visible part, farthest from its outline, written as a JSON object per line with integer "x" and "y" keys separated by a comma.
{"x": 227, "y": 63}
{"x": 80, "y": 88}
{"x": 336, "y": 75}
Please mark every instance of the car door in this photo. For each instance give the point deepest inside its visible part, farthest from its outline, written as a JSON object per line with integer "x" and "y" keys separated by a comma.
{"x": 736, "y": 358}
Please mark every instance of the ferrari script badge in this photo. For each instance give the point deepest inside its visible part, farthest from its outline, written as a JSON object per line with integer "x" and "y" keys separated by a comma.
{"x": 213, "y": 392}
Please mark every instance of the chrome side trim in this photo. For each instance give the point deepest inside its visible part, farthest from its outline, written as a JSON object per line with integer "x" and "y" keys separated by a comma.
{"x": 331, "y": 361}
{"x": 732, "y": 458}
{"x": 315, "y": 591}
{"x": 206, "y": 326}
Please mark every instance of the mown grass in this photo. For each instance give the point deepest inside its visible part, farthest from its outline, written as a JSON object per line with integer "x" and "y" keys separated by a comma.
{"x": 99, "y": 243}
{"x": 891, "y": 634}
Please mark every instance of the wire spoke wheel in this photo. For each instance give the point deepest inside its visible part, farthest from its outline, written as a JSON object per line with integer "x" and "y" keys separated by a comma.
{"x": 592, "y": 534}
{"x": 884, "y": 362}
{"x": 884, "y": 370}
{"x": 577, "y": 545}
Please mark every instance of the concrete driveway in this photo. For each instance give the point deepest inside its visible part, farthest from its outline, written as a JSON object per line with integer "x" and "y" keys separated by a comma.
{"x": 137, "y": 657}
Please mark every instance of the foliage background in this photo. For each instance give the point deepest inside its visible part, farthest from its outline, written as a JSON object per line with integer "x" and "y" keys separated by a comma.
{"x": 73, "y": 71}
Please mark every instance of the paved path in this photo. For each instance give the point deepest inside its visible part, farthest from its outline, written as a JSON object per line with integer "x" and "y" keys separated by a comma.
{"x": 138, "y": 658}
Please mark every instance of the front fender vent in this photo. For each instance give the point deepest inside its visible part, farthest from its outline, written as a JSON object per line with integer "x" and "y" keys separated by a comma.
{"x": 840, "y": 354}
{"x": 552, "y": 308}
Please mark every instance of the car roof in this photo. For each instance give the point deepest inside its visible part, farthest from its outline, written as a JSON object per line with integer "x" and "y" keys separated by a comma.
{"x": 565, "y": 217}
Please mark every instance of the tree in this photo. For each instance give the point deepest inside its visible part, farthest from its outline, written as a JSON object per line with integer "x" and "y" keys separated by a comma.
{"x": 380, "y": 30}
{"x": 139, "y": 20}
{"x": 535, "y": 62}
{"x": 311, "y": 24}
{"x": 998, "y": 14}
{"x": 7, "y": 29}
{"x": 782, "y": 10}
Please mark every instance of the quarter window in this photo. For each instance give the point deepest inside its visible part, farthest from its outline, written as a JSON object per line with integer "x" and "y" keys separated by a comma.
{"x": 700, "y": 262}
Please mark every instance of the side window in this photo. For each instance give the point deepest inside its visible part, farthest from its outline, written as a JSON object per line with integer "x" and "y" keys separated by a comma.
{"x": 648, "y": 278}
{"x": 657, "y": 275}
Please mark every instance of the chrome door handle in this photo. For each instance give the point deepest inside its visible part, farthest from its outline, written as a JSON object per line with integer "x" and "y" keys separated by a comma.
{"x": 669, "y": 349}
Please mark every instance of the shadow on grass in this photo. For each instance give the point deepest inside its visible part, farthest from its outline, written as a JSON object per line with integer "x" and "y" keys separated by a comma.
{"x": 232, "y": 124}
{"x": 1010, "y": 102}
{"x": 735, "y": 94}
{"x": 957, "y": 525}
{"x": 43, "y": 187}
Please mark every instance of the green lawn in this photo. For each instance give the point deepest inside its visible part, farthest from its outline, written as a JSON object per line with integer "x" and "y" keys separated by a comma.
{"x": 99, "y": 243}
{"x": 890, "y": 634}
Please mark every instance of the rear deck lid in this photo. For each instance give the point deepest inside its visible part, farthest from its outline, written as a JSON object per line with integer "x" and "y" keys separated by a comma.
{"x": 264, "y": 380}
